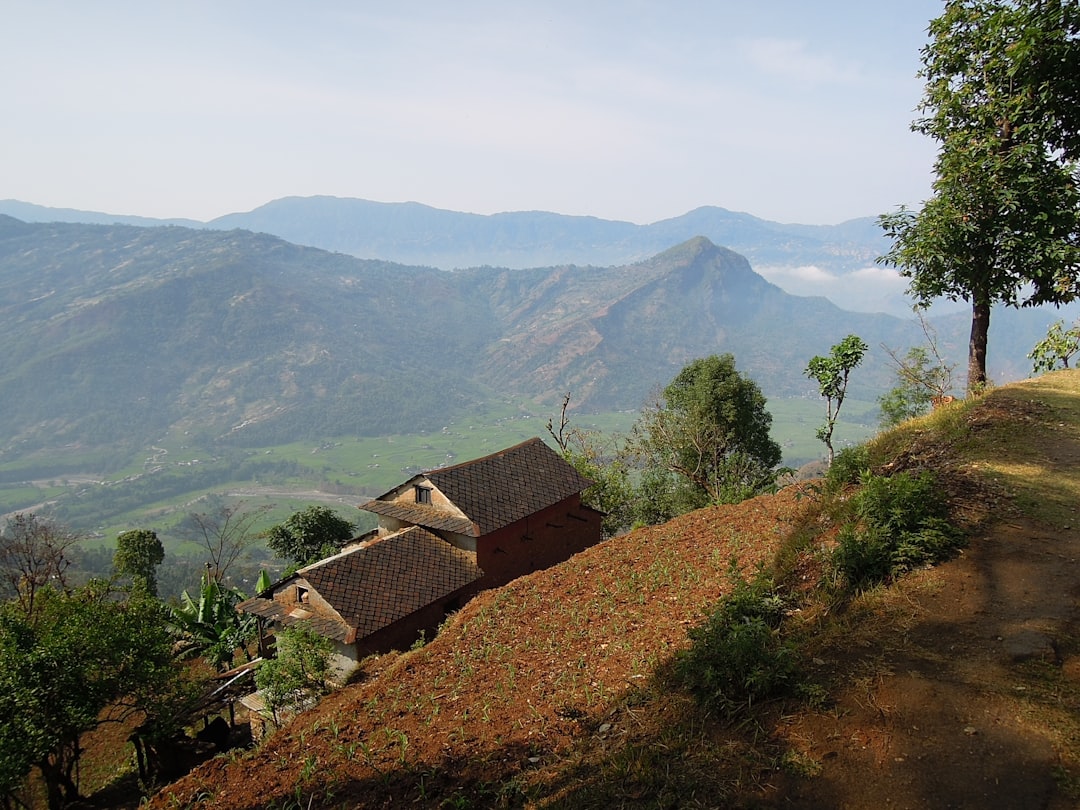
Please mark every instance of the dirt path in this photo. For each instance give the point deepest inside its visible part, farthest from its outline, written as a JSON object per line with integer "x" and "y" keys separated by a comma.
{"x": 974, "y": 701}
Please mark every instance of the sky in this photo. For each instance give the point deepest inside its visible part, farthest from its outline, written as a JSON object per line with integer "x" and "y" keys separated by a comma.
{"x": 637, "y": 110}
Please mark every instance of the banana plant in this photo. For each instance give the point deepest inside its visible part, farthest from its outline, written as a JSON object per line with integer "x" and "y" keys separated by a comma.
{"x": 212, "y": 627}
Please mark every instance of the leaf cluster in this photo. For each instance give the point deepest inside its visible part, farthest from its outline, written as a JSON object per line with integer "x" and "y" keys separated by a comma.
{"x": 710, "y": 427}
{"x": 138, "y": 554}
{"x": 299, "y": 670}
{"x": 1059, "y": 345}
{"x": 211, "y": 626}
{"x": 82, "y": 659}
{"x": 831, "y": 373}
{"x": 897, "y": 523}
{"x": 1004, "y": 221}
{"x": 310, "y": 535}
{"x": 739, "y": 656}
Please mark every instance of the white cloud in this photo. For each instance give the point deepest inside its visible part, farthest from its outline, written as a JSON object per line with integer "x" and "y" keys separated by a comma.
{"x": 868, "y": 289}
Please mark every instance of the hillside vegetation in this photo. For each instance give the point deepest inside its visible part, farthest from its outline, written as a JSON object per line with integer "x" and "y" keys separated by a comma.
{"x": 145, "y": 367}
{"x": 956, "y": 685}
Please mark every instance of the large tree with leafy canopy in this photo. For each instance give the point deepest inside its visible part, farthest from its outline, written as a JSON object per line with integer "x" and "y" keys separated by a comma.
{"x": 138, "y": 554}
{"x": 78, "y": 661}
{"x": 310, "y": 535}
{"x": 1002, "y": 99}
{"x": 710, "y": 429}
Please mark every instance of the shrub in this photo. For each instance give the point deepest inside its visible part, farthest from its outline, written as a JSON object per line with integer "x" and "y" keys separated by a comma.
{"x": 738, "y": 655}
{"x": 899, "y": 523}
{"x": 848, "y": 467}
{"x": 299, "y": 672}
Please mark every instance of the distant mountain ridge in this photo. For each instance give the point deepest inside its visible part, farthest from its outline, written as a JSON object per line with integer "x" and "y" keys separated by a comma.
{"x": 116, "y": 333}
{"x": 413, "y": 233}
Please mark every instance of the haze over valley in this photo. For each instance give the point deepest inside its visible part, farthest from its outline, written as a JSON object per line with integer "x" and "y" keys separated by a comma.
{"x": 220, "y": 345}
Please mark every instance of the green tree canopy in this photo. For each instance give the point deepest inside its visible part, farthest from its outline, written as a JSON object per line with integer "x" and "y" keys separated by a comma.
{"x": 80, "y": 660}
{"x": 1001, "y": 100}
{"x": 709, "y": 427}
{"x": 831, "y": 372}
{"x": 138, "y": 554}
{"x": 309, "y": 535}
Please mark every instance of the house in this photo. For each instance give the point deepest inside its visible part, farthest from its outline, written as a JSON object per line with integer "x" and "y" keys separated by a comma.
{"x": 443, "y": 536}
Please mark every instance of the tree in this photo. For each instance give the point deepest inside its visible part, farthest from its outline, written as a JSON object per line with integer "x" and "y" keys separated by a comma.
{"x": 83, "y": 659}
{"x": 709, "y": 427}
{"x": 1059, "y": 345}
{"x": 831, "y": 374}
{"x": 34, "y": 552}
{"x": 611, "y": 492}
{"x": 1003, "y": 224}
{"x": 922, "y": 378}
{"x": 225, "y": 532}
{"x": 138, "y": 554}
{"x": 298, "y": 671}
{"x": 310, "y": 535}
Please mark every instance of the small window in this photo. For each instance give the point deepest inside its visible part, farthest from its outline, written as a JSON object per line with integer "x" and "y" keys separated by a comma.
{"x": 301, "y": 595}
{"x": 423, "y": 494}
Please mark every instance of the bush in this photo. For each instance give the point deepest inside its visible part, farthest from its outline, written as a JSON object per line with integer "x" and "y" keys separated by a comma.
{"x": 899, "y": 523}
{"x": 739, "y": 656}
{"x": 848, "y": 467}
{"x": 299, "y": 672}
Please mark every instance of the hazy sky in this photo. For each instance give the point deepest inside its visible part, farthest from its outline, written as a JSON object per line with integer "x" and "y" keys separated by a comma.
{"x": 791, "y": 110}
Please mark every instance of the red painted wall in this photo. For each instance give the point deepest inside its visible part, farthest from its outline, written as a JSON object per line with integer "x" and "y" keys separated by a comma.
{"x": 538, "y": 541}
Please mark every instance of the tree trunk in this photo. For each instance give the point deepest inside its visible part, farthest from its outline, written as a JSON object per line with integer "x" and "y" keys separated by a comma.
{"x": 980, "y": 326}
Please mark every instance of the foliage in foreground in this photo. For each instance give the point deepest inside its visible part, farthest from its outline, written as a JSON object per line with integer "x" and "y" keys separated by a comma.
{"x": 923, "y": 377}
{"x": 896, "y": 524}
{"x": 1059, "y": 345}
{"x": 212, "y": 627}
{"x": 831, "y": 373}
{"x": 739, "y": 656}
{"x": 299, "y": 671}
{"x": 80, "y": 660}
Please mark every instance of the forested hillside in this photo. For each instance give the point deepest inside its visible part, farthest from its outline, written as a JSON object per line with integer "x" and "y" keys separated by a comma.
{"x": 114, "y": 334}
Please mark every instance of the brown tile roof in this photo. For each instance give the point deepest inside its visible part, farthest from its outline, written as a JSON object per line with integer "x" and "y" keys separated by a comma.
{"x": 378, "y": 584}
{"x": 419, "y": 515}
{"x": 504, "y": 487}
{"x": 496, "y": 490}
{"x": 290, "y": 616}
{"x": 374, "y": 585}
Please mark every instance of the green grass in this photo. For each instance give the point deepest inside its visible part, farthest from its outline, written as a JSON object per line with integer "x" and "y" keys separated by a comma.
{"x": 356, "y": 467}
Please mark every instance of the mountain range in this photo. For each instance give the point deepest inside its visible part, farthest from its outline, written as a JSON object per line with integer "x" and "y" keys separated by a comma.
{"x": 112, "y": 334}
{"x": 802, "y": 259}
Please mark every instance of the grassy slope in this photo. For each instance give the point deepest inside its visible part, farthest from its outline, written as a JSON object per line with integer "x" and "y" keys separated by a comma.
{"x": 556, "y": 691}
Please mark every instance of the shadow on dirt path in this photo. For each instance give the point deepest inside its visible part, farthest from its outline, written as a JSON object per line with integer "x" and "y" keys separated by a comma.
{"x": 973, "y": 702}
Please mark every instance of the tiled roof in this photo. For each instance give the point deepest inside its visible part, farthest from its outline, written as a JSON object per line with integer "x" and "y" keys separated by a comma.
{"x": 378, "y": 584}
{"x": 504, "y": 487}
{"x": 374, "y": 585}
{"x": 419, "y": 515}
{"x": 497, "y": 490}
{"x": 291, "y": 616}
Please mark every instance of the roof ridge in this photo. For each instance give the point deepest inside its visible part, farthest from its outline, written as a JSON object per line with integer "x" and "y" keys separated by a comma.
{"x": 488, "y": 457}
